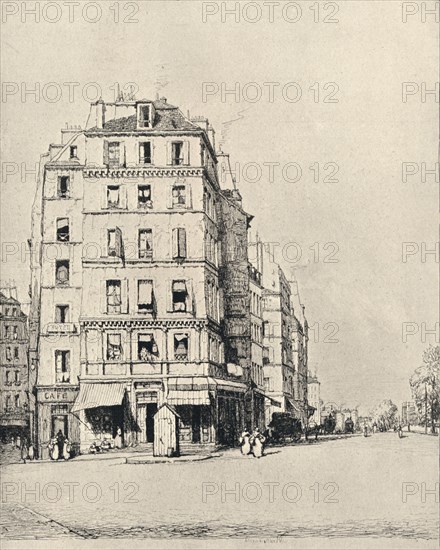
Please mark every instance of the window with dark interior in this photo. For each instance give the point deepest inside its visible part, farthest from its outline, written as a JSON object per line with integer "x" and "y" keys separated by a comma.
{"x": 113, "y": 289}
{"x": 73, "y": 151}
{"x": 114, "y": 347}
{"x": 62, "y": 366}
{"x": 61, "y": 314}
{"x": 181, "y": 342}
{"x": 180, "y": 295}
{"x": 147, "y": 347}
{"x": 63, "y": 187}
{"x": 145, "y": 244}
{"x": 63, "y": 229}
{"x": 145, "y": 152}
{"x": 177, "y": 153}
{"x": 179, "y": 195}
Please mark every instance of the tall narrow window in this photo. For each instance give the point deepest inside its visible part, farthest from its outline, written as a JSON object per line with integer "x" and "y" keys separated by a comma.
{"x": 114, "y": 347}
{"x": 8, "y": 377}
{"x": 114, "y": 154}
{"x": 179, "y": 243}
{"x": 144, "y": 116}
{"x": 8, "y": 402}
{"x": 62, "y": 366}
{"x": 73, "y": 151}
{"x": 181, "y": 342}
{"x": 144, "y": 196}
{"x": 63, "y": 229}
{"x": 177, "y": 153}
{"x": 17, "y": 377}
{"x": 17, "y": 401}
{"x": 145, "y": 297}
{"x": 16, "y": 353}
{"x": 180, "y": 296}
{"x": 111, "y": 242}
{"x": 145, "y": 244}
{"x": 8, "y": 353}
{"x": 179, "y": 195}
{"x": 113, "y": 296}
{"x": 145, "y": 152}
{"x": 113, "y": 196}
{"x": 63, "y": 187}
{"x": 61, "y": 314}
{"x": 62, "y": 272}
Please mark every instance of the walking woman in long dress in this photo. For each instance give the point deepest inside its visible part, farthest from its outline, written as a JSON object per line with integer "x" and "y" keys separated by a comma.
{"x": 257, "y": 441}
{"x": 245, "y": 445}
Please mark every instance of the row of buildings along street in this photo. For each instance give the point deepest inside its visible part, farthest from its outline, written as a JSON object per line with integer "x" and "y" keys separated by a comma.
{"x": 148, "y": 288}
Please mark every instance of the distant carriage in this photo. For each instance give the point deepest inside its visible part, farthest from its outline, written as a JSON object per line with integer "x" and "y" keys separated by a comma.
{"x": 284, "y": 426}
{"x": 349, "y": 426}
{"x": 329, "y": 424}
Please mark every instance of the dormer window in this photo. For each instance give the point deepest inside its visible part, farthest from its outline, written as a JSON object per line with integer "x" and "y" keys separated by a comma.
{"x": 145, "y": 115}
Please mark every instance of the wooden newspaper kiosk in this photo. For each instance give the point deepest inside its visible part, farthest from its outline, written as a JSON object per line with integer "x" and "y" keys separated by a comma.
{"x": 166, "y": 432}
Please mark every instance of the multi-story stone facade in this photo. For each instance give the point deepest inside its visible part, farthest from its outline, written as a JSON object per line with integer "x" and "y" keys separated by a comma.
{"x": 300, "y": 340}
{"x": 136, "y": 300}
{"x": 277, "y": 332}
{"x": 314, "y": 399}
{"x": 16, "y": 414}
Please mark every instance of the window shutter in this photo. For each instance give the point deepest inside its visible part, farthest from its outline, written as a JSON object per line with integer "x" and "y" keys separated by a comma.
{"x": 140, "y": 153}
{"x": 106, "y": 153}
{"x": 182, "y": 242}
{"x": 170, "y": 197}
{"x": 124, "y": 296}
{"x": 104, "y": 243}
{"x": 169, "y": 153}
{"x": 103, "y": 297}
{"x": 188, "y": 195}
{"x": 175, "y": 243}
{"x": 122, "y": 153}
{"x": 123, "y": 196}
{"x": 190, "y": 299}
{"x": 186, "y": 153}
{"x": 104, "y": 204}
{"x": 169, "y": 288}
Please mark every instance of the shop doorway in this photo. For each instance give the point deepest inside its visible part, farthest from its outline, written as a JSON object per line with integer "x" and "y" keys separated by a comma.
{"x": 196, "y": 424}
{"x": 151, "y": 410}
{"x": 59, "y": 422}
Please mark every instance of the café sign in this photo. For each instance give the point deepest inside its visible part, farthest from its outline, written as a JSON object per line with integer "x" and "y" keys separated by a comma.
{"x": 56, "y": 395}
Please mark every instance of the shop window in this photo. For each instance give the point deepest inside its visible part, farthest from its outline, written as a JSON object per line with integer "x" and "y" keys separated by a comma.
{"x": 181, "y": 342}
{"x": 177, "y": 153}
{"x": 62, "y": 268}
{"x": 145, "y": 152}
{"x": 147, "y": 347}
{"x": 180, "y": 295}
{"x": 144, "y": 196}
{"x": 113, "y": 289}
{"x": 61, "y": 314}
{"x": 179, "y": 243}
{"x": 63, "y": 187}
{"x": 114, "y": 347}
{"x": 62, "y": 366}
{"x": 73, "y": 152}
{"x": 8, "y": 353}
{"x": 113, "y": 196}
{"x": 63, "y": 229}
{"x": 145, "y": 297}
{"x": 145, "y": 244}
{"x": 16, "y": 353}
{"x": 179, "y": 196}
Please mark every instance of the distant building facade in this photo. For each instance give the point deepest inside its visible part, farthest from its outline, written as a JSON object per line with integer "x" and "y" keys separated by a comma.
{"x": 314, "y": 399}
{"x": 300, "y": 340}
{"x": 16, "y": 403}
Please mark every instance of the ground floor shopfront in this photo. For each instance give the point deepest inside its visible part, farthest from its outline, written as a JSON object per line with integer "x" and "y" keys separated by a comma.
{"x": 212, "y": 411}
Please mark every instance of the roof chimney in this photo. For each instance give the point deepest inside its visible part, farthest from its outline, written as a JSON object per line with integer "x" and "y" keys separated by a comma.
{"x": 163, "y": 99}
{"x": 100, "y": 113}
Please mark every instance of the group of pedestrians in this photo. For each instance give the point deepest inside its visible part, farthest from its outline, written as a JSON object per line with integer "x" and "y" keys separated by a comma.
{"x": 59, "y": 447}
{"x": 252, "y": 443}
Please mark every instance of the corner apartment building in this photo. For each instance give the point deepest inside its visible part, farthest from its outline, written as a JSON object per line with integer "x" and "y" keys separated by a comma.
{"x": 135, "y": 301}
{"x": 15, "y": 403}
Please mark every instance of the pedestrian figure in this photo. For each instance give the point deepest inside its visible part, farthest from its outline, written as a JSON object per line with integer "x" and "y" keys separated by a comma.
{"x": 53, "y": 449}
{"x": 60, "y": 443}
{"x": 66, "y": 449}
{"x": 118, "y": 438}
{"x": 400, "y": 431}
{"x": 24, "y": 450}
{"x": 409, "y": 427}
{"x": 244, "y": 442}
{"x": 31, "y": 451}
{"x": 257, "y": 440}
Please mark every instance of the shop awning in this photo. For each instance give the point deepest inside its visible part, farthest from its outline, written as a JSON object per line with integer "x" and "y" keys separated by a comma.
{"x": 273, "y": 401}
{"x": 294, "y": 405}
{"x": 99, "y": 395}
{"x": 228, "y": 385}
{"x": 188, "y": 397}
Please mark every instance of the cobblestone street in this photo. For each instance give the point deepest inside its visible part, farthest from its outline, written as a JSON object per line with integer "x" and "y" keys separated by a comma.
{"x": 297, "y": 491}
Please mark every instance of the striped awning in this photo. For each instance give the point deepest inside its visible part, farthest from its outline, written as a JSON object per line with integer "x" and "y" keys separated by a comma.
{"x": 99, "y": 395}
{"x": 188, "y": 397}
{"x": 294, "y": 406}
